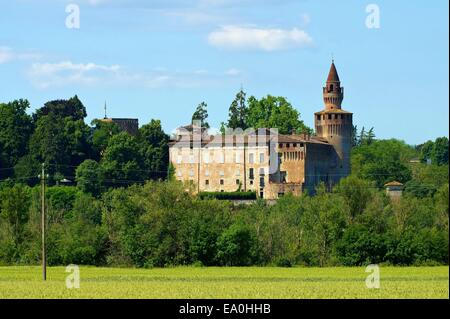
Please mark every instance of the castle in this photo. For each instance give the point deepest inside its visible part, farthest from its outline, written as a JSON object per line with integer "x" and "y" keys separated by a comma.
{"x": 264, "y": 161}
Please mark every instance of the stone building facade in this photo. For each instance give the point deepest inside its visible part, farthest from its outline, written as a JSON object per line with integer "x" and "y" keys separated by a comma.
{"x": 264, "y": 161}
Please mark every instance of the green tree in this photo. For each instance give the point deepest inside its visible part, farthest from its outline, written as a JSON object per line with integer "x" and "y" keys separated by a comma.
{"x": 14, "y": 211}
{"x": 89, "y": 177}
{"x": 439, "y": 153}
{"x": 154, "y": 149}
{"x": 102, "y": 133}
{"x": 275, "y": 112}
{"x": 122, "y": 162}
{"x": 426, "y": 150}
{"x": 201, "y": 114}
{"x": 383, "y": 161}
{"x": 15, "y": 129}
{"x": 324, "y": 221}
{"x": 48, "y": 144}
{"x": 72, "y": 108}
{"x": 237, "y": 246}
{"x": 237, "y": 114}
{"x": 61, "y": 143}
{"x": 356, "y": 192}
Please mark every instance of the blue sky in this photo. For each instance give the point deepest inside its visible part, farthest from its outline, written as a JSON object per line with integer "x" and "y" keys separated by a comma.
{"x": 159, "y": 59}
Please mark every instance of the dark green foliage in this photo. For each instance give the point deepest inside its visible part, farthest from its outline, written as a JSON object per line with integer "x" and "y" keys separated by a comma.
{"x": 122, "y": 163}
{"x": 15, "y": 129}
{"x": 421, "y": 190}
{"x": 201, "y": 115}
{"x": 359, "y": 246}
{"x": 228, "y": 195}
{"x": 237, "y": 114}
{"x": 72, "y": 108}
{"x": 154, "y": 149}
{"x": 237, "y": 246}
{"x": 159, "y": 224}
{"x": 383, "y": 161}
{"x": 89, "y": 177}
{"x": 274, "y": 112}
{"x": 436, "y": 151}
{"x": 102, "y": 133}
{"x": 115, "y": 216}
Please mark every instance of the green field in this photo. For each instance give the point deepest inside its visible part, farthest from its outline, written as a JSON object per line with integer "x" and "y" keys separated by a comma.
{"x": 193, "y": 282}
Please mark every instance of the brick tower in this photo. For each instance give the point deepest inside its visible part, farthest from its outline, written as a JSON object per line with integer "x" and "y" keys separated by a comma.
{"x": 336, "y": 125}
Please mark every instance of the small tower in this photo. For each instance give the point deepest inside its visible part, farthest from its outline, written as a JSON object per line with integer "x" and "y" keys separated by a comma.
{"x": 336, "y": 125}
{"x": 333, "y": 93}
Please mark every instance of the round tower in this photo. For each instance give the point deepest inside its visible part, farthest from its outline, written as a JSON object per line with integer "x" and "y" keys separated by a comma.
{"x": 335, "y": 124}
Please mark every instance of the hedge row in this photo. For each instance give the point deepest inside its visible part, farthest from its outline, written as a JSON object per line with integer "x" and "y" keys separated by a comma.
{"x": 228, "y": 195}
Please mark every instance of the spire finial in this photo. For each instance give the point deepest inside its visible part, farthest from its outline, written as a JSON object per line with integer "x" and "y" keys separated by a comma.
{"x": 332, "y": 57}
{"x": 105, "y": 111}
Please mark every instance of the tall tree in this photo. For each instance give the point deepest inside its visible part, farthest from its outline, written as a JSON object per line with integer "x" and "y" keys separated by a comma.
{"x": 122, "y": 162}
{"x": 201, "y": 114}
{"x": 439, "y": 154}
{"x": 237, "y": 115}
{"x": 48, "y": 143}
{"x": 154, "y": 149}
{"x": 102, "y": 133}
{"x": 15, "y": 129}
{"x": 72, "y": 108}
{"x": 275, "y": 112}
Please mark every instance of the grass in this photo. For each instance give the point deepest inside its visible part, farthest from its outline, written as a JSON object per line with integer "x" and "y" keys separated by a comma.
{"x": 253, "y": 282}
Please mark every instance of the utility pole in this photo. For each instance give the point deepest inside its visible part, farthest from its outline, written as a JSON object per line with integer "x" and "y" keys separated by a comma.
{"x": 44, "y": 257}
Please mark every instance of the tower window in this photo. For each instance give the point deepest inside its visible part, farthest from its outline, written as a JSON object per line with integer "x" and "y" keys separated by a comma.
{"x": 329, "y": 116}
{"x": 331, "y": 87}
{"x": 221, "y": 182}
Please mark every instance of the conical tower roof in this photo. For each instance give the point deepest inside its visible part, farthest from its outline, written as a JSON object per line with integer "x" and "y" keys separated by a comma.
{"x": 333, "y": 74}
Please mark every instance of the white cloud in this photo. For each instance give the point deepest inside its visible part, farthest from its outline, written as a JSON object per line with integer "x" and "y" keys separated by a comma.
{"x": 254, "y": 38}
{"x": 233, "y": 72}
{"x": 49, "y": 75}
{"x": 45, "y": 75}
{"x": 6, "y": 54}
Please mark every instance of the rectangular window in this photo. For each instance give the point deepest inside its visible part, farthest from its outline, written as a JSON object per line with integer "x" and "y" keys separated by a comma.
{"x": 179, "y": 159}
{"x": 221, "y": 157}
{"x": 206, "y": 158}
{"x": 207, "y": 173}
{"x": 222, "y": 173}
{"x": 251, "y": 158}
{"x": 191, "y": 159}
{"x": 207, "y": 182}
{"x": 221, "y": 182}
{"x": 238, "y": 157}
{"x": 238, "y": 182}
{"x": 251, "y": 173}
{"x": 238, "y": 173}
{"x": 261, "y": 158}
{"x": 191, "y": 173}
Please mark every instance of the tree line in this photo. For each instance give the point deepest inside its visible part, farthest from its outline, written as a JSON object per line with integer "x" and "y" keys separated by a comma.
{"x": 160, "y": 224}
{"x": 122, "y": 210}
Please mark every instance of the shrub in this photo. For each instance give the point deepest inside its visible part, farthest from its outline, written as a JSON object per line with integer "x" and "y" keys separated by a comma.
{"x": 228, "y": 195}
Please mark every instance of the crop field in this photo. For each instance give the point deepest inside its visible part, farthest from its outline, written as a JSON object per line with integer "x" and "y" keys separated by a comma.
{"x": 199, "y": 282}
